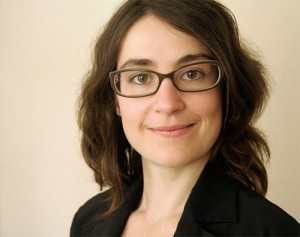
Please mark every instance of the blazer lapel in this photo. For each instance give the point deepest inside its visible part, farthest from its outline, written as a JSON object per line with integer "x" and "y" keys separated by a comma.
{"x": 188, "y": 226}
{"x": 213, "y": 199}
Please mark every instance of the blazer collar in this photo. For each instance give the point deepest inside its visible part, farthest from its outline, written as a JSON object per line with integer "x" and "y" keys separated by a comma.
{"x": 213, "y": 199}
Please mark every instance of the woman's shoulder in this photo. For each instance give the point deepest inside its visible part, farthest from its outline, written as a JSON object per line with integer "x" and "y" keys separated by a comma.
{"x": 86, "y": 215}
{"x": 259, "y": 211}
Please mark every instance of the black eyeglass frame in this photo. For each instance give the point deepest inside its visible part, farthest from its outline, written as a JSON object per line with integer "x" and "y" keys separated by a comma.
{"x": 162, "y": 76}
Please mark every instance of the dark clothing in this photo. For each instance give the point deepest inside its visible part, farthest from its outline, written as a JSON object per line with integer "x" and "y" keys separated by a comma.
{"x": 217, "y": 206}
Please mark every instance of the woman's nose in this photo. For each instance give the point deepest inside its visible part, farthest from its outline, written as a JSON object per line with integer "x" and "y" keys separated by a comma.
{"x": 168, "y": 99}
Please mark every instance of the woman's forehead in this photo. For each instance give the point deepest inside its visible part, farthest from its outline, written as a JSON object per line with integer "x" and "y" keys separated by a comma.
{"x": 154, "y": 41}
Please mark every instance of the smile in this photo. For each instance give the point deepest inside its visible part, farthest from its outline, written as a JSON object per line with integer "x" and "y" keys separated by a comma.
{"x": 172, "y": 131}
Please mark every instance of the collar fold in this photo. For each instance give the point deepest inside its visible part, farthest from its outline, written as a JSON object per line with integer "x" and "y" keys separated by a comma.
{"x": 213, "y": 198}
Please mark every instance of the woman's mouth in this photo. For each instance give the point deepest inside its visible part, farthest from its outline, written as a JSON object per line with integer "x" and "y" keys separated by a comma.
{"x": 172, "y": 131}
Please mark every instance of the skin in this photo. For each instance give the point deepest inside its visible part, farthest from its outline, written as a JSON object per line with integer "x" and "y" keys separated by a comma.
{"x": 173, "y": 131}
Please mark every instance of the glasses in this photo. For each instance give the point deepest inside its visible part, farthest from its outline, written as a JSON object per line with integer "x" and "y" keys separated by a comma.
{"x": 194, "y": 77}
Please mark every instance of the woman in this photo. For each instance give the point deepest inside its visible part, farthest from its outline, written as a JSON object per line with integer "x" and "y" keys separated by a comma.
{"x": 167, "y": 116}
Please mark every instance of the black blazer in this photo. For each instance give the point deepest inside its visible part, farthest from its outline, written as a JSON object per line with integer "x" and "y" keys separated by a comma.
{"x": 217, "y": 206}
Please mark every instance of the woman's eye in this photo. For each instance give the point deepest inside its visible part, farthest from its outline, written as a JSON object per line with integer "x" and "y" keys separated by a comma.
{"x": 192, "y": 75}
{"x": 140, "y": 78}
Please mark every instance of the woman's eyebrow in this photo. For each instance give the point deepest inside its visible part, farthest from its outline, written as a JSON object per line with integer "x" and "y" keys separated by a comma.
{"x": 137, "y": 62}
{"x": 193, "y": 57}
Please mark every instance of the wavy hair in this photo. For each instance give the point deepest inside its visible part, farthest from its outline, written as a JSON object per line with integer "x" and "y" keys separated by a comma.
{"x": 241, "y": 148}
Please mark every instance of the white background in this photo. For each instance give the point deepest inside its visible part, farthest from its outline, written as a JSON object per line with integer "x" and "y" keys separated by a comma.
{"x": 45, "y": 47}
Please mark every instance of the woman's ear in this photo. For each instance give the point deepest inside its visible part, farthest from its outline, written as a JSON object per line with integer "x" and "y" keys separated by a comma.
{"x": 117, "y": 108}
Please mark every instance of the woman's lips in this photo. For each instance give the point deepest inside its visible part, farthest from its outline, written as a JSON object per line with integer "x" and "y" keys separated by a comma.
{"x": 172, "y": 131}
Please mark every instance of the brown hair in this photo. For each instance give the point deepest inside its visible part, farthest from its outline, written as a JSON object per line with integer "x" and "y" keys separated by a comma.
{"x": 241, "y": 148}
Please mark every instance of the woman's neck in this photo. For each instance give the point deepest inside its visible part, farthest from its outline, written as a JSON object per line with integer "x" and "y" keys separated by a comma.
{"x": 166, "y": 190}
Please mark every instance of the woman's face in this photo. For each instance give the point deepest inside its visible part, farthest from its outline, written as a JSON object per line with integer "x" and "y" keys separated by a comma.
{"x": 170, "y": 128}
